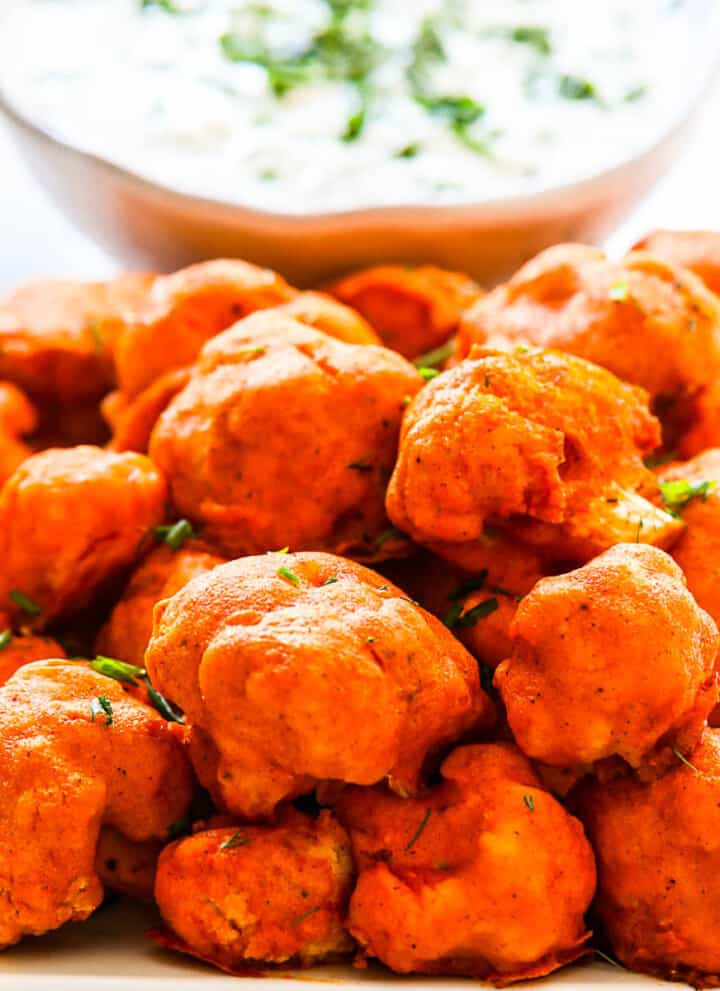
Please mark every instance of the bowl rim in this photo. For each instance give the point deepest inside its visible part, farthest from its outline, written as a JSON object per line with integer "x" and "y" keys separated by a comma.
{"x": 506, "y": 206}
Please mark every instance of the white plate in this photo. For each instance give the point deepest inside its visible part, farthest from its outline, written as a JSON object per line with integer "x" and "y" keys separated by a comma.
{"x": 111, "y": 953}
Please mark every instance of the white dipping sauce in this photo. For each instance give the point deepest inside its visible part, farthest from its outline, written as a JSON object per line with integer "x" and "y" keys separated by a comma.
{"x": 466, "y": 101}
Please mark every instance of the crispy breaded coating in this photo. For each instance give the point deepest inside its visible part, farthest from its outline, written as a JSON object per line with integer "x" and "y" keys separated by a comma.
{"x": 485, "y": 876}
{"x": 658, "y": 855}
{"x": 693, "y": 490}
{"x": 413, "y": 309}
{"x": 163, "y": 572}
{"x": 296, "y": 669}
{"x": 57, "y": 338}
{"x": 71, "y": 520}
{"x": 284, "y": 436}
{"x": 186, "y": 309}
{"x": 613, "y": 659}
{"x": 697, "y": 250}
{"x": 318, "y": 310}
{"x": 18, "y": 418}
{"x": 647, "y": 321}
{"x": 15, "y": 651}
{"x": 546, "y": 445}
{"x": 269, "y": 894}
{"x": 76, "y": 752}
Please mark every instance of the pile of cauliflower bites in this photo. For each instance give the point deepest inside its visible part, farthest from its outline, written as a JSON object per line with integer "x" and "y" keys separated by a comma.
{"x": 376, "y": 622}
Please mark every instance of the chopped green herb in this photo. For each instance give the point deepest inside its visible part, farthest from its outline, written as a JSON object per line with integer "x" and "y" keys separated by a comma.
{"x": 461, "y": 619}
{"x": 575, "y": 88}
{"x": 684, "y": 760}
{"x": 419, "y": 831}
{"x": 102, "y": 706}
{"x": 330, "y": 581}
{"x": 259, "y": 348}
{"x": 606, "y": 958}
{"x": 677, "y": 494}
{"x": 305, "y": 915}
{"x": 5, "y": 639}
{"x": 619, "y": 292}
{"x": 636, "y": 93}
{"x": 362, "y": 464}
{"x": 470, "y": 585}
{"x": 537, "y": 38}
{"x": 638, "y": 531}
{"x": 175, "y": 534}
{"x": 162, "y": 705}
{"x": 409, "y": 151}
{"x": 453, "y": 615}
{"x": 25, "y": 603}
{"x": 181, "y": 827}
{"x": 438, "y": 356}
{"x": 392, "y": 533}
{"x": 119, "y": 670}
{"x": 288, "y": 575}
{"x": 428, "y": 373}
{"x": 283, "y": 550}
{"x": 167, "y": 5}
{"x": 237, "y": 839}
{"x": 369, "y": 639}
{"x": 529, "y": 802}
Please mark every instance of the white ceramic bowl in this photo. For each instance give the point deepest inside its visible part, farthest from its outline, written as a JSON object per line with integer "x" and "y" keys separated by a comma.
{"x": 147, "y": 225}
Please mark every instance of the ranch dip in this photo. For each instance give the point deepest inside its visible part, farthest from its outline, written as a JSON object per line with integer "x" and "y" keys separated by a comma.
{"x": 303, "y": 106}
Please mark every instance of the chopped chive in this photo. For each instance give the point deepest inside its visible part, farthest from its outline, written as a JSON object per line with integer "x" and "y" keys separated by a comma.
{"x": 606, "y": 958}
{"x": 677, "y": 494}
{"x": 529, "y": 802}
{"x": 409, "y": 151}
{"x": 684, "y": 760}
{"x": 237, "y": 839}
{"x": 304, "y": 915}
{"x": 428, "y": 373}
{"x": 391, "y": 533}
{"x": 330, "y": 581}
{"x": 102, "y": 706}
{"x": 575, "y": 88}
{"x": 369, "y": 639}
{"x": 438, "y": 356}
{"x": 175, "y": 534}
{"x": 537, "y": 38}
{"x": 181, "y": 827}
{"x": 419, "y": 831}
{"x": 162, "y": 705}
{"x": 118, "y": 670}
{"x": 288, "y": 575}
{"x": 471, "y": 585}
{"x": 25, "y": 603}
{"x": 456, "y": 618}
{"x": 5, "y": 639}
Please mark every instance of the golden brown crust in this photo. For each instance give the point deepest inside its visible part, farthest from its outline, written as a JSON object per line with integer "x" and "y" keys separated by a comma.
{"x": 286, "y": 437}
{"x": 485, "y": 876}
{"x": 240, "y": 895}
{"x": 613, "y": 659}
{"x": 294, "y": 669}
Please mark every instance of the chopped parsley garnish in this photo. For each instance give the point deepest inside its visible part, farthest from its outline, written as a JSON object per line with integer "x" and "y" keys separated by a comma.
{"x": 537, "y": 38}
{"x": 25, "y": 603}
{"x": 175, "y": 534}
{"x": 288, "y": 575}
{"x": 438, "y": 356}
{"x": 575, "y": 88}
{"x": 237, "y": 839}
{"x": 419, "y": 831}
{"x": 619, "y": 292}
{"x": 102, "y": 706}
{"x": 428, "y": 373}
{"x": 529, "y": 802}
{"x": 677, "y": 494}
{"x": 5, "y": 639}
{"x": 304, "y": 915}
{"x": 470, "y": 585}
{"x": 457, "y": 619}
{"x": 684, "y": 760}
{"x": 128, "y": 674}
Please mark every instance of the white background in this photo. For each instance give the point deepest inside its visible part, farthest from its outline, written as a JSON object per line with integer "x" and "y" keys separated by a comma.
{"x": 38, "y": 241}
